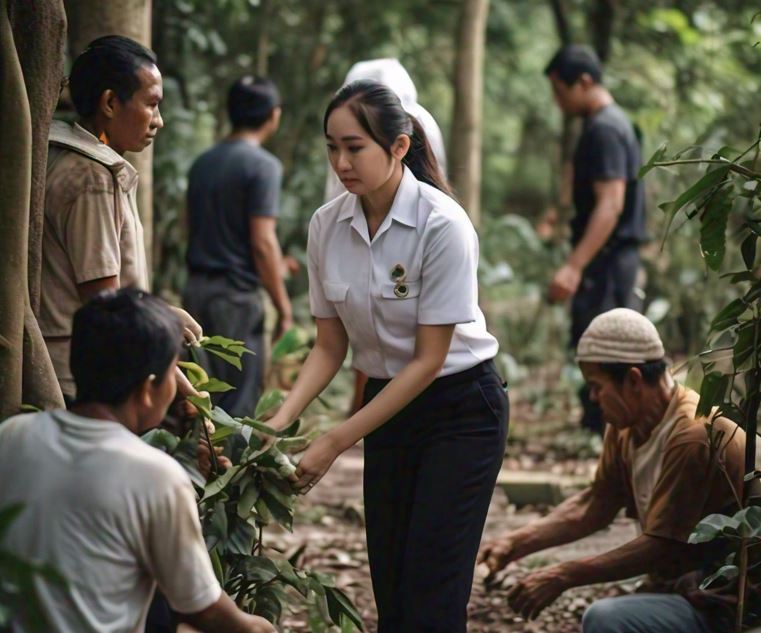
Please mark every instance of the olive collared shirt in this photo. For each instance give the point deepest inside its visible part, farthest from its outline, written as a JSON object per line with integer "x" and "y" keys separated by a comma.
{"x": 91, "y": 230}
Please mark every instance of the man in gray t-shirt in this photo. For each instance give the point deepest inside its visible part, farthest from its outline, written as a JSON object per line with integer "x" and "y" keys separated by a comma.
{"x": 609, "y": 224}
{"x": 232, "y": 202}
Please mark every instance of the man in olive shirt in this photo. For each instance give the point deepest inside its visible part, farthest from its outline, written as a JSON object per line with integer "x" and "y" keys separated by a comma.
{"x": 92, "y": 237}
{"x": 609, "y": 222}
{"x": 657, "y": 464}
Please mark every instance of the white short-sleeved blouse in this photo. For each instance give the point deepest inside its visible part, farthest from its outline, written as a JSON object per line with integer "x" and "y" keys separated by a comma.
{"x": 426, "y": 236}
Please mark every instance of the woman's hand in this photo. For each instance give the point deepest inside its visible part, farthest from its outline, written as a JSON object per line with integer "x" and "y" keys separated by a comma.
{"x": 315, "y": 463}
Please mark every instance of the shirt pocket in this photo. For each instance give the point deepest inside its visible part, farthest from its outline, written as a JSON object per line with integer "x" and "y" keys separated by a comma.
{"x": 399, "y": 309}
{"x": 335, "y": 291}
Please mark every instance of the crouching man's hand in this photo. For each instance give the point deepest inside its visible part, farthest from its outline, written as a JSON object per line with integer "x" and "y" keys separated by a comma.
{"x": 537, "y": 591}
{"x": 498, "y": 553}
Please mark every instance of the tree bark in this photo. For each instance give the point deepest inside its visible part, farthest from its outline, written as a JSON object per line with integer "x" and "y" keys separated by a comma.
{"x": 570, "y": 131}
{"x": 89, "y": 19}
{"x": 31, "y": 48}
{"x": 602, "y": 14}
{"x": 467, "y": 122}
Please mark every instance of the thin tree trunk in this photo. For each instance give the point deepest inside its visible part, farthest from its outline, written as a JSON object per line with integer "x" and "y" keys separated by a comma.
{"x": 262, "y": 40}
{"x": 31, "y": 48}
{"x": 602, "y": 15}
{"x": 467, "y": 122}
{"x": 570, "y": 131}
{"x": 89, "y": 19}
{"x": 40, "y": 34}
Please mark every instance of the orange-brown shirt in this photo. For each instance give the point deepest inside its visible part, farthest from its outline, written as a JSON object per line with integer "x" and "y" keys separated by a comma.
{"x": 701, "y": 461}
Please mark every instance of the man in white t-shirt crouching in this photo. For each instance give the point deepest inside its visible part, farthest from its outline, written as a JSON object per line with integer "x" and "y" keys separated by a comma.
{"x": 112, "y": 515}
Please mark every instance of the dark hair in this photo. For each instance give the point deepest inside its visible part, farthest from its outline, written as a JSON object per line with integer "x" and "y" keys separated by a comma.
{"x": 380, "y": 113}
{"x": 572, "y": 61}
{"x": 108, "y": 63}
{"x": 652, "y": 371}
{"x": 250, "y": 101}
{"x": 118, "y": 339}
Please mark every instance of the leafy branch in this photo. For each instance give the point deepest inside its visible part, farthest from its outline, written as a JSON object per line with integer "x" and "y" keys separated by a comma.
{"x": 236, "y": 505}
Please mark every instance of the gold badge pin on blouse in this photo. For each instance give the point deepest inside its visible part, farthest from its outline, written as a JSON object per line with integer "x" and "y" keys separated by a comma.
{"x": 399, "y": 277}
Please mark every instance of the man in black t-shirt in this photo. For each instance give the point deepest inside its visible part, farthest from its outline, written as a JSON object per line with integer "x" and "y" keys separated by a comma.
{"x": 609, "y": 224}
{"x": 233, "y": 250}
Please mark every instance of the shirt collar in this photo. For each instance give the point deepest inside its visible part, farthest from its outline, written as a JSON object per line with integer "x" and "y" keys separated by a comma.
{"x": 404, "y": 209}
{"x": 76, "y": 138}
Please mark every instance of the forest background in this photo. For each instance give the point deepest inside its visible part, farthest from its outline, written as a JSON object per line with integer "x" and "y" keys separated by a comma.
{"x": 687, "y": 73}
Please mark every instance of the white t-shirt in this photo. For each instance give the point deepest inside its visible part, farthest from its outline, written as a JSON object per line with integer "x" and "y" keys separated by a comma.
{"x": 432, "y": 239}
{"x": 647, "y": 459}
{"x": 111, "y": 514}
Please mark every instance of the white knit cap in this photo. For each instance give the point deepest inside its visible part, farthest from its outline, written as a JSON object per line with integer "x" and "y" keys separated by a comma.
{"x": 620, "y": 336}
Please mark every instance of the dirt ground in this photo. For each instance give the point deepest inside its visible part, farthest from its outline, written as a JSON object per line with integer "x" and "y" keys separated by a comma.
{"x": 329, "y": 527}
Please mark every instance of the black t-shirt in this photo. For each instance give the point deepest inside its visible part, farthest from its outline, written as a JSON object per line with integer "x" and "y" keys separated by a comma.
{"x": 608, "y": 149}
{"x": 228, "y": 184}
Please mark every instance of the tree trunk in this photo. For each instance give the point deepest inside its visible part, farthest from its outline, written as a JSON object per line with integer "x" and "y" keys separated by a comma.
{"x": 31, "y": 47}
{"x": 602, "y": 14}
{"x": 570, "y": 132}
{"x": 89, "y": 19}
{"x": 262, "y": 39}
{"x": 465, "y": 149}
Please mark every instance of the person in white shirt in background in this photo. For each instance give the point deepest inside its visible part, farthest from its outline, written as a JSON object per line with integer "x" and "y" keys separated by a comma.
{"x": 390, "y": 72}
{"x": 392, "y": 271}
{"x": 114, "y": 516}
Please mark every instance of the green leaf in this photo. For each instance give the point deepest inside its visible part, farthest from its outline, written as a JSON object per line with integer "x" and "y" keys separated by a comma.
{"x": 270, "y": 400}
{"x": 233, "y": 359}
{"x": 745, "y": 345}
{"x": 728, "y": 315}
{"x": 340, "y": 606}
{"x": 222, "y": 433}
{"x": 268, "y": 604}
{"x": 241, "y": 538}
{"x": 213, "y": 385}
{"x": 195, "y": 373}
{"x": 712, "y": 391}
{"x": 657, "y": 157}
{"x": 202, "y": 403}
{"x": 748, "y": 250}
{"x": 248, "y": 499}
{"x": 260, "y": 569}
{"x": 281, "y": 513}
{"x": 713, "y": 228}
{"x": 727, "y": 573}
{"x": 161, "y": 439}
{"x": 216, "y": 526}
{"x": 290, "y": 445}
{"x": 216, "y": 564}
{"x": 710, "y": 180}
{"x": 290, "y": 576}
{"x": 218, "y": 485}
{"x": 292, "y": 341}
{"x": 712, "y": 527}
{"x": 749, "y": 520}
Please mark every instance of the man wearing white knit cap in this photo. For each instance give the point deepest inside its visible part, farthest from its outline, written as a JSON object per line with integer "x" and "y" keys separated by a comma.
{"x": 657, "y": 464}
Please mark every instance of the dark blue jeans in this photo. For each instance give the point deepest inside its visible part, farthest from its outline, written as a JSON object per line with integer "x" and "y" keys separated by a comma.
{"x": 608, "y": 283}
{"x": 429, "y": 477}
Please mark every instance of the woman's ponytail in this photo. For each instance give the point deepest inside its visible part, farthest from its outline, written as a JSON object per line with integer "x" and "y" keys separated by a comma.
{"x": 421, "y": 160}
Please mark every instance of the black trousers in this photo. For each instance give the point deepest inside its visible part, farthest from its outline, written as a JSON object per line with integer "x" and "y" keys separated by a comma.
{"x": 429, "y": 477}
{"x": 608, "y": 283}
{"x": 224, "y": 309}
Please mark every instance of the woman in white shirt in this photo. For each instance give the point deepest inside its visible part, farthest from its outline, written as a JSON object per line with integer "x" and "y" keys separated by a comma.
{"x": 392, "y": 271}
